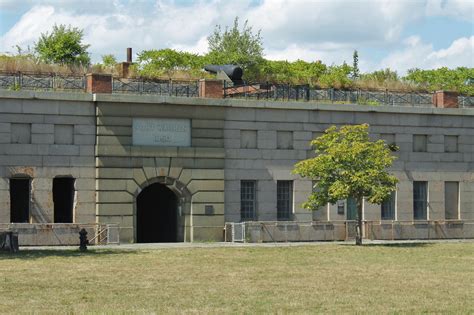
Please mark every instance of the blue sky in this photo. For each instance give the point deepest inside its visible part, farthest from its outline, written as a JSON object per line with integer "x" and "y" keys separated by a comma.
{"x": 399, "y": 34}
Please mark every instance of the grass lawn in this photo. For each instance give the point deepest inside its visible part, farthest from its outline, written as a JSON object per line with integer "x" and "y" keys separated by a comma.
{"x": 408, "y": 278}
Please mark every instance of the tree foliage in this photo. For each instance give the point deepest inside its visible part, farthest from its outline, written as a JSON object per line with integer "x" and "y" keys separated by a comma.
{"x": 337, "y": 77}
{"x": 355, "y": 64}
{"x": 63, "y": 46}
{"x": 297, "y": 72}
{"x": 443, "y": 79}
{"x": 109, "y": 60}
{"x": 348, "y": 164}
{"x": 381, "y": 76}
{"x": 237, "y": 46}
{"x": 168, "y": 62}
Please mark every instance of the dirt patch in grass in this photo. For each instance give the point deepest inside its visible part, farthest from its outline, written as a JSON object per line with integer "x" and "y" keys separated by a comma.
{"x": 432, "y": 278}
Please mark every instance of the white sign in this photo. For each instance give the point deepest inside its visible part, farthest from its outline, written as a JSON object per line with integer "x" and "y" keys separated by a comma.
{"x": 163, "y": 132}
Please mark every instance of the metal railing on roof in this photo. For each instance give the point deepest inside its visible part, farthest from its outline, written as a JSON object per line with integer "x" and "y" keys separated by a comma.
{"x": 42, "y": 81}
{"x": 305, "y": 93}
{"x": 258, "y": 91}
{"x": 156, "y": 87}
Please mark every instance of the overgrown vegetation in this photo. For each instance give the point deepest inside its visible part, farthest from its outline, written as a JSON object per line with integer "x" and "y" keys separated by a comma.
{"x": 169, "y": 63}
{"x": 443, "y": 79}
{"x": 325, "y": 278}
{"x": 63, "y": 46}
{"x": 62, "y": 51}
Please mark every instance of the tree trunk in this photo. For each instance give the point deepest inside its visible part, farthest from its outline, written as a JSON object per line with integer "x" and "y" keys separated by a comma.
{"x": 359, "y": 222}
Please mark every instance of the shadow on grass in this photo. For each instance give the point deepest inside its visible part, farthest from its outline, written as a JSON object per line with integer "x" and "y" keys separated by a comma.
{"x": 68, "y": 253}
{"x": 398, "y": 245}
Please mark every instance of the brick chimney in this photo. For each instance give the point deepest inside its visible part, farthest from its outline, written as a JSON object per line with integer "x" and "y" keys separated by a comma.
{"x": 125, "y": 66}
{"x": 445, "y": 99}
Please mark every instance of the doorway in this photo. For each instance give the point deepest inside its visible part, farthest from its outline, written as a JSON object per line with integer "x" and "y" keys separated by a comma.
{"x": 157, "y": 215}
{"x": 20, "y": 200}
{"x": 63, "y": 199}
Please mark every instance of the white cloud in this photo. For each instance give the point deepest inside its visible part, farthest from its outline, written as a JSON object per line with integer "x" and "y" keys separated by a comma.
{"x": 463, "y": 9}
{"x": 417, "y": 54}
{"x": 200, "y": 47}
{"x": 349, "y": 22}
{"x": 328, "y": 53}
{"x": 165, "y": 25}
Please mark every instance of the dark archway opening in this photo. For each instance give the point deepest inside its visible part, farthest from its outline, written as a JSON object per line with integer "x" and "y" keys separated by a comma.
{"x": 63, "y": 198}
{"x": 157, "y": 215}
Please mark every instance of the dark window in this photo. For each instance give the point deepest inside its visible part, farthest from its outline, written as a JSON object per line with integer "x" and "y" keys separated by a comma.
{"x": 247, "y": 199}
{"x": 451, "y": 200}
{"x": 63, "y": 198}
{"x": 420, "y": 200}
{"x": 340, "y": 207}
{"x": 284, "y": 199}
{"x": 20, "y": 200}
{"x": 388, "y": 208}
{"x": 351, "y": 209}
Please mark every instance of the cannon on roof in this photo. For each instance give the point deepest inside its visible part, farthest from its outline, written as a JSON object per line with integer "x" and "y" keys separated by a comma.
{"x": 230, "y": 73}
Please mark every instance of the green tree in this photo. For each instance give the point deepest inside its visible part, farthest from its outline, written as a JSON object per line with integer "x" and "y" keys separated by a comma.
{"x": 355, "y": 65}
{"x": 381, "y": 76}
{"x": 109, "y": 60}
{"x": 235, "y": 46}
{"x": 337, "y": 77}
{"x": 169, "y": 62}
{"x": 443, "y": 79}
{"x": 63, "y": 46}
{"x": 348, "y": 164}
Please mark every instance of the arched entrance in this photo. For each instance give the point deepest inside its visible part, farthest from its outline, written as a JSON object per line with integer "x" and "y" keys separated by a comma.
{"x": 157, "y": 215}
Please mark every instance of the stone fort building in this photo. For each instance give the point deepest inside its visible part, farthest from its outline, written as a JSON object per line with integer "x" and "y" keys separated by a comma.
{"x": 177, "y": 169}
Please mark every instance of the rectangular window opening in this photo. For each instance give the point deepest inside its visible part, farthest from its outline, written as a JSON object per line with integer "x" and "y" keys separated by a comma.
{"x": 420, "y": 200}
{"x": 284, "y": 199}
{"x": 319, "y": 212}
{"x": 451, "y": 200}
{"x": 63, "y": 198}
{"x": 340, "y": 207}
{"x": 248, "y": 197}
{"x": 20, "y": 200}
{"x": 388, "y": 207}
{"x": 351, "y": 209}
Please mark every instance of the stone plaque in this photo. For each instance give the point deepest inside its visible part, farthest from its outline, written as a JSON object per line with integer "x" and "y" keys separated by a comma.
{"x": 163, "y": 132}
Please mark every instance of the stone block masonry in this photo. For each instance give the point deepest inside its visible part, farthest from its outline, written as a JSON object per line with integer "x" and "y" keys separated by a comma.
{"x": 45, "y": 144}
{"x": 91, "y": 138}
